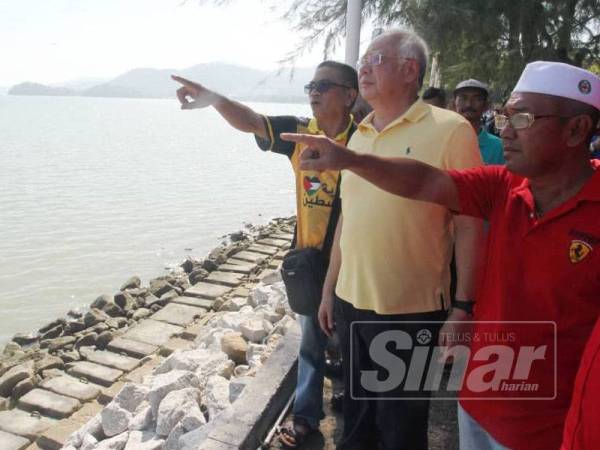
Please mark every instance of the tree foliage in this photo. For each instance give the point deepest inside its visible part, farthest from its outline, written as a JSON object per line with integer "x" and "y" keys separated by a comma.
{"x": 491, "y": 40}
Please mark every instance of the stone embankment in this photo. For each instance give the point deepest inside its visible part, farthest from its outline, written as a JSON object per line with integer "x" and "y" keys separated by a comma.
{"x": 163, "y": 366}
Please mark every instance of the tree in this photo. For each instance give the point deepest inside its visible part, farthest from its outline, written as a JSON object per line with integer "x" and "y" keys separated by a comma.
{"x": 491, "y": 40}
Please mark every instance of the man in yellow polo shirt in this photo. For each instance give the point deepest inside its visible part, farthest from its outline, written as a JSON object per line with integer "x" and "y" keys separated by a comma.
{"x": 332, "y": 93}
{"x": 390, "y": 260}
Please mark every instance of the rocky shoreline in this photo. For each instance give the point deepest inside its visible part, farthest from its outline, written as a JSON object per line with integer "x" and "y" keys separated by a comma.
{"x": 151, "y": 366}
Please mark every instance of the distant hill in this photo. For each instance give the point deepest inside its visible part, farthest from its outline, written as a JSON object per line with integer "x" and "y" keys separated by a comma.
{"x": 228, "y": 79}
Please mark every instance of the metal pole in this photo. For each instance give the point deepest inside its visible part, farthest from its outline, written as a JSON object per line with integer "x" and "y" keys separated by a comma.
{"x": 353, "y": 16}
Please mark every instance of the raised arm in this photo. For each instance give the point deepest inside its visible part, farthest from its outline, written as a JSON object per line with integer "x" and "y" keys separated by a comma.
{"x": 400, "y": 176}
{"x": 237, "y": 115}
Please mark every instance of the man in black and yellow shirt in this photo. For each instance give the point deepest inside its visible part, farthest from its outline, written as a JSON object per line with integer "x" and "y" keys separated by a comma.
{"x": 332, "y": 93}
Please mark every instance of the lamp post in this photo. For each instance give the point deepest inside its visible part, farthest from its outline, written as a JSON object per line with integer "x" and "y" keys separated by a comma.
{"x": 353, "y": 16}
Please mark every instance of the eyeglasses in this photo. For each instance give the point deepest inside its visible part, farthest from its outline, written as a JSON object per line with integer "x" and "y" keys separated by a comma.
{"x": 518, "y": 121}
{"x": 322, "y": 86}
{"x": 374, "y": 59}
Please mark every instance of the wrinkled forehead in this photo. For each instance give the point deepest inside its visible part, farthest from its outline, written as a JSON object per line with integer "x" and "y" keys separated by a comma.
{"x": 532, "y": 102}
{"x": 383, "y": 44}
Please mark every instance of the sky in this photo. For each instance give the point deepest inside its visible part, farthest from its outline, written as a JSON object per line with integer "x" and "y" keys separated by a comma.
{"x": 51, "y": 41}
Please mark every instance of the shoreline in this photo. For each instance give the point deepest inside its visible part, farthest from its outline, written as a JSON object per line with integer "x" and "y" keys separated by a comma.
{"x": 135, "y": 328}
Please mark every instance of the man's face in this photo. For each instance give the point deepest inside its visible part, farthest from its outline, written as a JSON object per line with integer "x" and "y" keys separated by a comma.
{"x": 540, "y": 148}
{"x": 378, "y": 82}
{"x": 471, "y": 103}
{"x": 333, "y": 97}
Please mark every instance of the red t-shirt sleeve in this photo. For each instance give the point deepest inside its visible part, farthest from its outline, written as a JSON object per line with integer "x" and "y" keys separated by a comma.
{"x": 480, "y": 189}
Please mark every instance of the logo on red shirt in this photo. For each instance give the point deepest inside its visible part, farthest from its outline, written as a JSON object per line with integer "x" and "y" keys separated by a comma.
{"x": 579, "y": 250}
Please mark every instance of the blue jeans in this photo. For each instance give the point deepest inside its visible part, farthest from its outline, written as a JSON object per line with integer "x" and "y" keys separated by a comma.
{"x": 311, "y": 370}
{"x": 473, "y": 436}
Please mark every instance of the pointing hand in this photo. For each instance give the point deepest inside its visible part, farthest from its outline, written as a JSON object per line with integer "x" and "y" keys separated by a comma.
{"x": 321, "y": 153}
{"x": 201, "y": 97}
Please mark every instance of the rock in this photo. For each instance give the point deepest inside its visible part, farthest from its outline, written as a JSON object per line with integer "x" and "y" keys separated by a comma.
{"x": 254, "y": 330}
{"x": 203, "y": 362}
{"x": 143, "y": 440}
{"x": 140, "y": 301}
{"x": 52, "y": 373}
{"x": 115, "y": 443}
{"x": 268, "y": 313}
{"x": 74, "y": 314}
{"x": 284, "y": 325}
{"x": 234, "y": 304}
{"x": 23, "y": 387}
{"x": 115, "y": 419}
{"x": 141, "y": 314}
{"x": 125, "y": 301}
{"x": 74, "y": 326}
{"x": 3, "y": 404}
{"x": 11, "y": 348}
{"x": 151, "y": 300}
{"x": 216, "y": 396}
{"x": 256, "y": 355}
{"x": 174, "y": 407}
{"x": 172, "y": 441}
{"x": 198, "y": 274}
{"x": 12, "y": 442}
{"x": 131, "y": 396}
{"x": 94, "y": 316}
{"x": 189, "y": 264}
{"x": 159, "y": 287}
{"x": 93, "y": 427}
{"x": 236, "y": 386}
{"x": 13, "y": 376}
{"x": 209, "y": 265}
{"x": 142, "y": 419}
{"x": 182, "y": 284}
{"x": 87, "y": 340}
{"x": 169, "y": 296}
{"x": 164, "y": 383}
{"x": 133, "y": 283}
{"x": 101, "y": 301}
{"x": 99, "y": 328}
{"x": 55, "y": 344}
{"x": 155, "y": 308}
{"x": 194, "y": 418}
{"x": 89, "y": 442}
{"x": 113, "y": 310}
{"x": 194, "y": 439}
{"x": 51, "y": 325}
{"x": 25, "y": 339}
{"x": 237, "y": 236}
{"x": 234, "y": 346}
{"x": 103, "y": 339}
{"x": 116, "y": 323}
{"x": 49, "y": 362}
{"x": 69, "y": 356}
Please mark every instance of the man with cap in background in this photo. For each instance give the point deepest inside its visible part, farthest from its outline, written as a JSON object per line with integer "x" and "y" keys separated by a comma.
{"x": 543, "y": 256}
{"x": 471, "y": 100}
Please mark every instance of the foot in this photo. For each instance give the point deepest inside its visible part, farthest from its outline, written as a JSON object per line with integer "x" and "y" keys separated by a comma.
{"x": 294, "y": 432}
{"x": 333, "y": 368}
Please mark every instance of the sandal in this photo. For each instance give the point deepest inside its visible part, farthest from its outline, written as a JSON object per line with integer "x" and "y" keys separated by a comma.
{"x": 294, "y": 433}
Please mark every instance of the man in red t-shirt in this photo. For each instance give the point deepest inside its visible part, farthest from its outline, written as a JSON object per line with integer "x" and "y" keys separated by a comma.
{"x": 543, "y": 256}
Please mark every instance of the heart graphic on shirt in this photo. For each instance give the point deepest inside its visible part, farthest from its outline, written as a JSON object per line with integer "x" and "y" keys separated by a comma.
{"x": 311, "y": 185}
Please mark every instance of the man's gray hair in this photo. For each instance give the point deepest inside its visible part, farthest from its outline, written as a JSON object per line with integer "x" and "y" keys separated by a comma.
{"x": 411, "y": 45}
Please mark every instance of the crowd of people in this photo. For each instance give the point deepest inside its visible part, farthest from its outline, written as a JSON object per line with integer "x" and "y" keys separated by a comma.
{"x": 422, "y": 184}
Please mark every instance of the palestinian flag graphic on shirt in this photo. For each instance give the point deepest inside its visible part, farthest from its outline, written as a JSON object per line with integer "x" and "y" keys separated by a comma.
{"x": 311, "y": 185}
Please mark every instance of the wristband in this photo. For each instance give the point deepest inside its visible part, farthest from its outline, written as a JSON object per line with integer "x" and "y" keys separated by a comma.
{"x": 466, "y": 306}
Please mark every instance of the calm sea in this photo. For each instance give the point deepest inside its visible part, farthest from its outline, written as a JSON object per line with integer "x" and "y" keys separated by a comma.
{"x": 93, "y": 191}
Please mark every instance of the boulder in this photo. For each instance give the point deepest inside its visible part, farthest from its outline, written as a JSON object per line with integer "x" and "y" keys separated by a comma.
{"x": 115, "y": 419}
{"x": 210, "y": 265}
{"x": 52, "y": 325}
{"x": 172, "y": 441}
{"x": 164, "y": 383}
{"x": 25, "y": 338}
{"x": 133, "y": 283}
{"x": 143, "y": 418}
{"x": 254, "y": 330}
{"x": 52, "y": 333}
{"x": 116, "y": 323}
{"x": 143, "y": 440}
{"x": 87, "y": 340}
{"x": 13, "y": 376}
{"x": 131, "y": 396}
{"x": 113, "y": 310}
{"x": 174, "y": 407}
{"x": 74, "y": 314}
{"x": 194, "y": 439}
{"x": 141, "y": 313}
{"x": 159, "y": 287}
{"x": 62, "y": 342}
{"x": 216, "y": 396}
{"x": 88, "y": 442}
{"x": 93, "y": 427}
{"x": 198, "y": 274}
{"x": 114, "y": 443}
{"x": 125, "y": 301}
{"x": 69, "y": 356}
{"x": 23, "y": 387}
{"x": 49, "y": 362}
{"x": 101, "y": 301}
{"x": 94, "y": 316}
{"x": 234, "y": 346}
{"x": 74, "y": 326}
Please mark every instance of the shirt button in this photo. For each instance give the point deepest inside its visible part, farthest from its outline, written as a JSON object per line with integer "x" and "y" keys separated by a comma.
{"x": 531, "y": 215}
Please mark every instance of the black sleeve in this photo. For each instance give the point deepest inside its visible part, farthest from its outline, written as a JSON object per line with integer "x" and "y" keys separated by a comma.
{"x": 276, "y": 125}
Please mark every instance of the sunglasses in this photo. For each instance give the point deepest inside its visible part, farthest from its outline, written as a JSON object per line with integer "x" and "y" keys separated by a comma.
{"x": 518, "y": 121}
{"x": 322, "y": 86}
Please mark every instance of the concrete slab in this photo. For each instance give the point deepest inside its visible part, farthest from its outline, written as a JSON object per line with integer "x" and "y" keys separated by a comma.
{"x": 249, "y": 256}
{"x": 132, "y": 348}
{"x": 152, "y": 332}
{"x": 9, "y": 441}
{"x": 54, "y": 437}
{"x": 193, "y": 301}
{"x": 72, "y": 387}
{"x": 178, "y": 314}
{"x": 48, "y": 403}
{"x": 275, "y": 264}
{"x": 104, "y": 376}
{"x": 110, "y": 359}
{"x": 206, "y": 290}
{"x": 245, "y": 269}
{"x": 238, "y": 262}
{"x": 174, "y": 344}
{"x": 284, "y": 236}
{"x": 279, "y": 243}
{"x": 24, "y": 424}
{"x": 264, "y": 249}
{"x": 225, "y": 278}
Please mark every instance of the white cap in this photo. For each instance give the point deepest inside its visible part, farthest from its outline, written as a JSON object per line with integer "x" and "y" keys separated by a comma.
{"x": 562, "y": 80}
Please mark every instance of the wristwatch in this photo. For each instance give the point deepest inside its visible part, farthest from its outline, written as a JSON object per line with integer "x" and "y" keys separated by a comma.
{"x": 466, "y": 306}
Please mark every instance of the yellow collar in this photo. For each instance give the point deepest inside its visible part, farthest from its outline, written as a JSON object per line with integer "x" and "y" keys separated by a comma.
{"x": 415, "y": 113}
{"x": 313, "y": 128}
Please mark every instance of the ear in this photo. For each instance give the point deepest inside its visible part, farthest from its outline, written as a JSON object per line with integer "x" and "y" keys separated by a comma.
{"x": 411, "y": 70}
{"x": 351, "y": 95}
{"x": 578, "y": 130}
